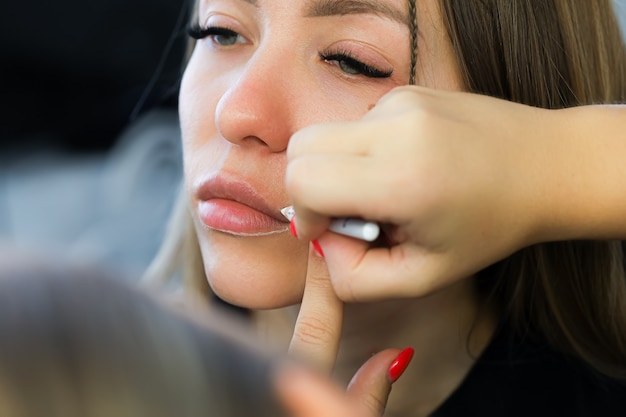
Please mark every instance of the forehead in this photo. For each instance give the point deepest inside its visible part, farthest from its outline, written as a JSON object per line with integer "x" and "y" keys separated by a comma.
{"x": 393, "y": 9}
{"x": 397, "y": 10}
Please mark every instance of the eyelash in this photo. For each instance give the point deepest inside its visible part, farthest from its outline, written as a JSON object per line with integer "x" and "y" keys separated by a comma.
{"x": 196, "y": 32}
{"x": 342, "y": 56}
{"x": 360, "y": 67}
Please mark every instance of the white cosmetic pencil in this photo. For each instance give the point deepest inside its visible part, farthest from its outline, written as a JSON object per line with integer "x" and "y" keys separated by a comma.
{"x": 356, "y": 228}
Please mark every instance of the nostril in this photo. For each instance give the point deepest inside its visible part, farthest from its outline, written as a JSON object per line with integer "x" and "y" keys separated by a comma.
{"x": 252, "y": 140}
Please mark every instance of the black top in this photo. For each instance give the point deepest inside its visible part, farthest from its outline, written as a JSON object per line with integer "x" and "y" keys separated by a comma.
{"x": 518, "y": 377}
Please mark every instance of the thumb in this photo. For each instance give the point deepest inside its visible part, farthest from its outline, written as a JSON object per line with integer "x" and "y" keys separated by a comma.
{"x": 371, "y": 385}
{"x": 363, "y": 274}
{"x": 318, "y": 327}
{"x": 305, "y": 393}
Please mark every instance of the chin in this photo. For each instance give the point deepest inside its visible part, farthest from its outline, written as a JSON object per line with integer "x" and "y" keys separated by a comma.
{"x": 255, "y": 272}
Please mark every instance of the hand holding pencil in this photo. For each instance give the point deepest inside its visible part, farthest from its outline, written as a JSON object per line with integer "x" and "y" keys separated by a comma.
{"x": 443, "y": 179}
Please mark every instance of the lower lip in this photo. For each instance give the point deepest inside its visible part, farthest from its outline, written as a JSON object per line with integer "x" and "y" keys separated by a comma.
{"x": 238, "y": 219}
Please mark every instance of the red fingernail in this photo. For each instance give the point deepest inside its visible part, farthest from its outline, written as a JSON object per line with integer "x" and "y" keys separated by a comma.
{"x": 398, "y": 366}
{"x": 292, "y": 227}
{"x": 318, "y": 248}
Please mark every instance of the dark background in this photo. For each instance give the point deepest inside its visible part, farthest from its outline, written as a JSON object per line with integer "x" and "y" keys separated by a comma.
{"x": 73, "y": 71}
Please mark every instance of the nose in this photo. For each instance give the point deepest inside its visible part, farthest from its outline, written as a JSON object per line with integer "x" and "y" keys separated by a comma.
{"x": 257, "y": 107}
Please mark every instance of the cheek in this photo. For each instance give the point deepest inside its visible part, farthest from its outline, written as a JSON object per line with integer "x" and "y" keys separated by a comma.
{"x": 196, "y": 106}
{"x": 197, "y": 102}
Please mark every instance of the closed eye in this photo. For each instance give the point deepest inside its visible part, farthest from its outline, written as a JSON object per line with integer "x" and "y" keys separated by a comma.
{"x": 350, "y": 65}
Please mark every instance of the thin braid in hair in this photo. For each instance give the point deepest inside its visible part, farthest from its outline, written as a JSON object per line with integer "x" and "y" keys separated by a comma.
{"x": 413, "y": 30}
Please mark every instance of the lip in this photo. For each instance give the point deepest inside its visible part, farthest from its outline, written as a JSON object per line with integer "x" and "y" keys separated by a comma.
{"x": 234, "y": 206}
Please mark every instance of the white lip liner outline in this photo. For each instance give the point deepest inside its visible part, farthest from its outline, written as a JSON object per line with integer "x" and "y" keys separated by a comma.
{"x": 356, "y": 228}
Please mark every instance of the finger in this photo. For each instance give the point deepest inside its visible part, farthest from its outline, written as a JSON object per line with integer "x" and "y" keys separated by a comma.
{"x": 373, "y": 274}
{"x": 312, "y": 224}
{"x": 336, "y": 137}
{"x": 355, "y": 136}
{"x": 308, "y": 394}
{"x": 371, "y": 385}
{"x": 318, "y": 326}
{"x": 337, "y": 185}
{"x": 406, "y": 96}
{"x": 305, "y": 393}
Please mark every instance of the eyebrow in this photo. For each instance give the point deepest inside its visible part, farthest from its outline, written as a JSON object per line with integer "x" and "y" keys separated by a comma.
{"x": 321, "y": 8}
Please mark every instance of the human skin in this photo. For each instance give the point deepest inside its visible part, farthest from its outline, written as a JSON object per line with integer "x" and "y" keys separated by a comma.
{"x": 461, "y": 169}
{"x": 243, "y": 95}
{"x": 240, "y": 104}
{"x": 306, "y": 393}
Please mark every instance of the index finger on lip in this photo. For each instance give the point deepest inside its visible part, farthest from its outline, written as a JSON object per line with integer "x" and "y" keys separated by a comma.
{"x": 318, "y": 327}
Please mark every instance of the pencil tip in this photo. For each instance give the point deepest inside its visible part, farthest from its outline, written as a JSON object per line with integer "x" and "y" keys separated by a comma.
{"x": 287, "y": 212}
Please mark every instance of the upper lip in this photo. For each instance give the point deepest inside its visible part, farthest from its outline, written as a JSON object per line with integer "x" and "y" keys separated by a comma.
{"x": 235, "y": 189}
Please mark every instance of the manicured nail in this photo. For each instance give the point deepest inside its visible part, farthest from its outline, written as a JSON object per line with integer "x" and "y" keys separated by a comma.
{"x": 318, "y": 248}
{"x": 399, "y": 365}
{"x": 292, "y": 227}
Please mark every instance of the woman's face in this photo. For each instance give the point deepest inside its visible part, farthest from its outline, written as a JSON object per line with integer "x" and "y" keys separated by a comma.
{"x": 262, "y": 70}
